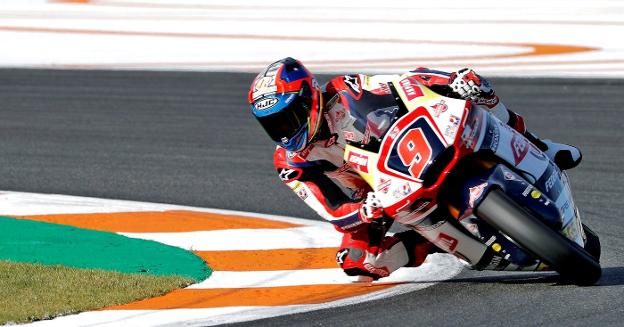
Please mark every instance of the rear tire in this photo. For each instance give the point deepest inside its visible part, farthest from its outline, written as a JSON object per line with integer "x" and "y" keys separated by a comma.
{"x": 571, "y": 261}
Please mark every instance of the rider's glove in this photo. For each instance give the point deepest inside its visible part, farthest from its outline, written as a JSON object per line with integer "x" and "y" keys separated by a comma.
{"x": 371, "y": 208}
{"x": 470, "y": 86}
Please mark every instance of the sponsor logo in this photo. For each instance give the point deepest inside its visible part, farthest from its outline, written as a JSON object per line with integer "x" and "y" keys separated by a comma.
{"x": 496, "y": 260}
{"x": 340, "y": 114}
{"x": 428, "y": 228}
{"x": 367, "y": 135}
{"x": 383, "y": 89}
{"x": 526, "y": 191}
{"x": 536, "y": 194}
{"x": 421, "y": 205}
{"x": 509, "y": 176}
{"x": 358, "y": 161}
{"x": 352, "y": 81}
{"x": 424, "y": 77}
{"x": 450, "y": 131}
{"x": 349, "y": 226}
{"x": 472, "y": 228}
{"x": 342, "y": 169}
{"x": 412, "y": 90}
{"x": 475, "y": 192}
{"x": 446, "y": 242}
{"x": 265, "y": 104}
{"x": 497, "y": 247}
{"x": 439, "y": 108}
{"x": 379, "y": 271}
{"x": 537, "y": 153}
{"x": 405, "y": 189}
{"x": 470, "y": 133}
{"x": 394, "y": 133}
{"x": 315, "y": 83}
{"x": 490, "y": 102}
{"x": 494, "y": 143}
{"x": 348, "y": 135}
{"x": 305, "y": 153}
{"x": 564, "y": 208}
{"x": 301, "y": 192}
{"x": 331, "y": 141}
{"x": 286, "y": 174}
{"x": 266, "y": 84}
{"x": 301, "y": 154}
{"x": 550, "y": 182}
{"x": 402, "y": 191}
{"x": 491, "y": 240}
{"x": 519, "y": 147}
{"x": 384, "y": 185}
{"x": 340, "y": 256}
{"x": 494, "y": 136}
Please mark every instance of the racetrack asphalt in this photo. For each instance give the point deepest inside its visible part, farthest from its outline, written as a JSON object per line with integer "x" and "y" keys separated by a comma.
{"x": 188, "y": 138}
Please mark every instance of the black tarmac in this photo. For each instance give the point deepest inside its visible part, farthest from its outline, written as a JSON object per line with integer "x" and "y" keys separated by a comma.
{"x": 189, "y": 138}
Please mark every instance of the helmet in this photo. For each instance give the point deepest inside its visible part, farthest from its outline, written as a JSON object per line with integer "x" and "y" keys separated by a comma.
{"x": 286, "y": 100}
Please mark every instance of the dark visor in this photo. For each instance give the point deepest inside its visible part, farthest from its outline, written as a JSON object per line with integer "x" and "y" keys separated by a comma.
{"x": 288, "y": 121}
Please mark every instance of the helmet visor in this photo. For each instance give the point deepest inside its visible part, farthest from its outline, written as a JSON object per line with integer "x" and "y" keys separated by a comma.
{"x": 284, "y": 124}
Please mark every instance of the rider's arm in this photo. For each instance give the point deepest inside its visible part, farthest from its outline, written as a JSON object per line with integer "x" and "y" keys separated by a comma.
{"x": 441, "y": 82}
{"x": 319, "y": 192}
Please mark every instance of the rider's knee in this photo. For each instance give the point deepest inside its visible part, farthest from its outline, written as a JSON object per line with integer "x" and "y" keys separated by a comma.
{"x": 378, "y": 261}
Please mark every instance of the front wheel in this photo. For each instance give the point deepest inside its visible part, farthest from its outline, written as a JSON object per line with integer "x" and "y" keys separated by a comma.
{"x": 560, "y": 253}
{"x": 592, "y": 245}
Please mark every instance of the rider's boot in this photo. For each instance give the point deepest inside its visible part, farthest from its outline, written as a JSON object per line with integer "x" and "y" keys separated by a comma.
{"x": 565, "y": 156}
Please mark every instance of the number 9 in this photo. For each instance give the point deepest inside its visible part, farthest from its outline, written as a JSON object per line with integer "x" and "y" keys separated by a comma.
{"x": 414, "y": 151}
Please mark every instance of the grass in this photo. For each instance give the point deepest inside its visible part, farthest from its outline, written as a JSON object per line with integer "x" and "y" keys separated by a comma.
{"x": 30, "y": 292}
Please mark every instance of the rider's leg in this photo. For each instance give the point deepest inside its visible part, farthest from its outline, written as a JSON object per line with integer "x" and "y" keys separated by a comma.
{"x": 359, "y": 258}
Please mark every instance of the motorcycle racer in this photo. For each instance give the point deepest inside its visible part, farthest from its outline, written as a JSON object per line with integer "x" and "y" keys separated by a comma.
{"x": 311, "y": 125}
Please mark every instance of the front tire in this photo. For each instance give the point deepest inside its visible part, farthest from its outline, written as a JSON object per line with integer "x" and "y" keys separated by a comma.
{"x": 571, "y": 261}
{"x": 592, "y": 245}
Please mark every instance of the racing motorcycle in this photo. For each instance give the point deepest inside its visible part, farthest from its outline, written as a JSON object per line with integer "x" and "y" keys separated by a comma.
{"x": 499, "y": 202}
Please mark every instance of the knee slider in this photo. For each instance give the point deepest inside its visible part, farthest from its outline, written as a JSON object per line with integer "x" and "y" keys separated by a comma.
{"x": 351, "y": 260}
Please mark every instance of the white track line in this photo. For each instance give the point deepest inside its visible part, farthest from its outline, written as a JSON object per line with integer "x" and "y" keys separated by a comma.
{"x": 30, "y": 204}
{"x": 247, "y": 239}
{"x": 276, "y": 278}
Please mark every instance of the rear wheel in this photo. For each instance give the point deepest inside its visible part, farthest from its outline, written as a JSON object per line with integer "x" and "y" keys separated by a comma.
{"x": 570, "y": 260}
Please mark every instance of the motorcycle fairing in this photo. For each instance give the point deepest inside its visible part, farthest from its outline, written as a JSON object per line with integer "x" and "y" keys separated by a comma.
{"x": 431, "y": 119}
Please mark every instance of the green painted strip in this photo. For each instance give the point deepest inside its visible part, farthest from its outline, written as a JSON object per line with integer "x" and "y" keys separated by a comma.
{"x": 38, "y": 242}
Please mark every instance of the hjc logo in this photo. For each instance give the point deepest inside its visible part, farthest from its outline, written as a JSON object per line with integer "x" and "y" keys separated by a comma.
{"x": 266, "y": 103}
{"x": 359, "y": 161}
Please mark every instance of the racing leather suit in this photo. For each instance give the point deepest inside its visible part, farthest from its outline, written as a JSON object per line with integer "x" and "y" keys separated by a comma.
{"x": 326, "y": 183}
